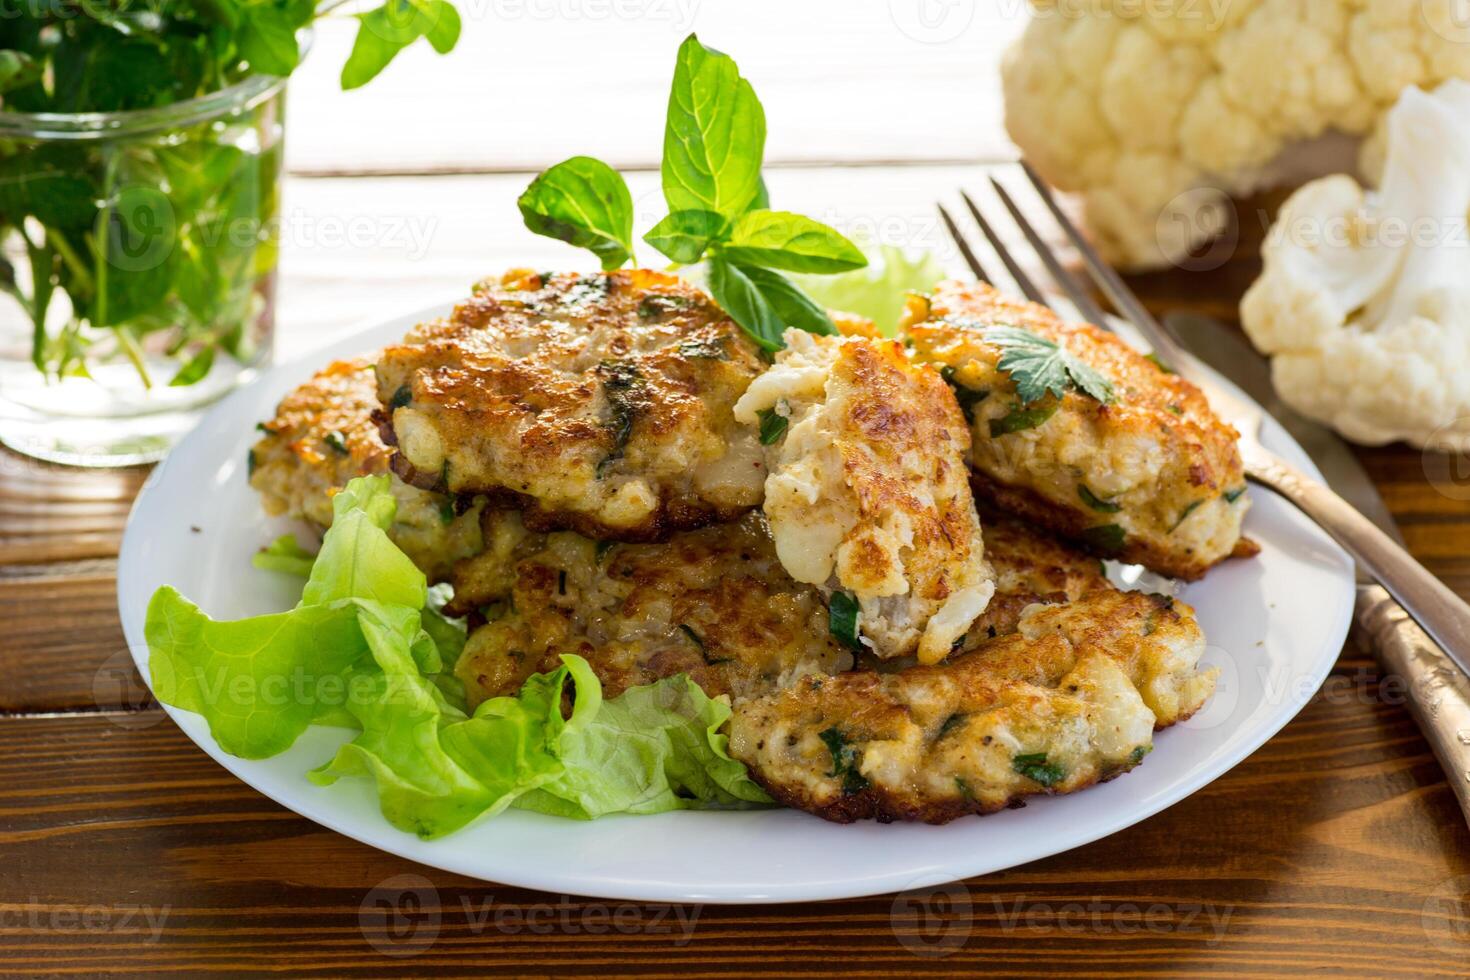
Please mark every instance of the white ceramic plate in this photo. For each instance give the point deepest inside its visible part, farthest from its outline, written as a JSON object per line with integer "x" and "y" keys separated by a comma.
{"x": 1275, "y": 625}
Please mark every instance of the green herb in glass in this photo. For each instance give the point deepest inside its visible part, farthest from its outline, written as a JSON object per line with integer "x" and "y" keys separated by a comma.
{"x": 140, "y": 163}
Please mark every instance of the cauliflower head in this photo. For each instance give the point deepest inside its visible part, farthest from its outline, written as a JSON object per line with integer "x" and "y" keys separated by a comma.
{"x": 1364, "y": 301}
{"x": 1156, "y": 112}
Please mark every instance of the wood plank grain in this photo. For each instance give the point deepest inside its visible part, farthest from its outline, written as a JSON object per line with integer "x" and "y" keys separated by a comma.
{"x": 1337, "y": 848}
{"x": 53, "y": 513}
{"x": 63, "y": 647}
{"x": 535, "y": 81}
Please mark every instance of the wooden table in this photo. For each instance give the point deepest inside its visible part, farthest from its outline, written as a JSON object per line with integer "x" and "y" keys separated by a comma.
{"x": 123, "y": 849}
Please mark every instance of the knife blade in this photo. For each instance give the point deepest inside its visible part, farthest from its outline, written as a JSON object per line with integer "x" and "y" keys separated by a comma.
{"x": 1439, "y": 695}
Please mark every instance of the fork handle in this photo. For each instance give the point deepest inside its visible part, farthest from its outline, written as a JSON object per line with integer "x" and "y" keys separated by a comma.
{"x": 1431, "y": 603}
{"x": 1437, "y": 695}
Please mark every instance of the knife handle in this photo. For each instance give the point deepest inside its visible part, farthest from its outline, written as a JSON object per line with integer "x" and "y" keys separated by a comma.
{"x": 1431, "y": 603}
{"x": 1439, "y": 695}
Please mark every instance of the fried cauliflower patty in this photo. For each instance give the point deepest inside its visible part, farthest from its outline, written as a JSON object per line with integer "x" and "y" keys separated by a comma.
{"x": 321, "y": 437}
{"x": 1030, "y": 567}
{"x": 599, "y": 403}
{"x": 868, "y": 491}
{"x": 1070, "y": 699}
{"x": 714, "y": 604}
{"x": 1151, "y": 476}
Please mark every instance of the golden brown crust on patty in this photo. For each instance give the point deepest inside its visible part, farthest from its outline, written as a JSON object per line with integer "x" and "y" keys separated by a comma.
{"x": 868, "y": 490}
{"x": 599, "y": 402}
{"x": 713, "y": 603}
{"x": 1155, "y": 467}
{"x": 1030, "y": 566}
{"x": 1070, "y": 699}
{"x": 323, "y": 436}
{"x": 1028, "y": 559}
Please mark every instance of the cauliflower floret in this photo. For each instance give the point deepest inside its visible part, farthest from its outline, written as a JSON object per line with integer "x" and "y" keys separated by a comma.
{"x": 1365, "y": 298}
{"x": 868, "y": 492}
{"x": 1156, "y": 112}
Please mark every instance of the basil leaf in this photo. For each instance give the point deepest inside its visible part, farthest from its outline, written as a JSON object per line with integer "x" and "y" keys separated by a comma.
{"x": 845, "y": 760}
{"x": 966, "y": 396}
{"x": 18, "y": 69}
{"x": 585, "y": 203}
{"x": 195, "y": 370}
{"x": 684, "y": 235}
{"x": 733, "y": 289}
{"x": 1159, "y": 363}
{"x": 1020, "y": 418}
{"x": 714, "y": 135}
{"x": 842, "y": 620}
{"x": 1189, "y": 508}
{"x": 443, "y": 35}
{"x": 387, "y": 30}
{"x": 268, "y": 40}
{"x": 793, "y": 307}
{"x": 1095, "y": 502}
{"x": 701, "y": 646}
{"x": 655, "y": 306}
{"x": 773, "y": 426}
{"x": 793, "y": 242}
{"x": 1033, "y": 766}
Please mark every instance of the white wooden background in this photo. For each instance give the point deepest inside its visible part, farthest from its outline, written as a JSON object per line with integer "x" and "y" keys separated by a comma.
{"x": 403, "y": 192}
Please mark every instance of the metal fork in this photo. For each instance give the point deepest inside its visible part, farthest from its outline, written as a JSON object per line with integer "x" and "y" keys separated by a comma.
{"x": 1442, "y": 614}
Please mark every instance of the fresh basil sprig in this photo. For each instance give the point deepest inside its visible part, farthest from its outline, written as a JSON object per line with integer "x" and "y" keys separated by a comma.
{"x": 714, "y": 137}
{"x": 719, "y": 211}
{"x": 585, "y": 203}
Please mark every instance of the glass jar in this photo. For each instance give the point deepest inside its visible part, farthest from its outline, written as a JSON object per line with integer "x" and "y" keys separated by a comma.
{"x": 138, "y": 269}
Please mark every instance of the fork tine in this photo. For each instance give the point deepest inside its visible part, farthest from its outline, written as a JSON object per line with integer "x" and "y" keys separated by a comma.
{"x": 1117, "y": 291}
{"x": 1022, "y": 280}
{"x": 1080, "y": 297}
{"x": 964, "y": 246}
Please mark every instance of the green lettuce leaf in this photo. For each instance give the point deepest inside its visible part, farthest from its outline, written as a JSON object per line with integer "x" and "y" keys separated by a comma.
{"x": 285, "y": 555}
{"x": 367, "y": 648}
{"x": 358, "y": 559}
{"x": 435, "y": 769}
{"x": 653, "y": 749}
{"x": 258, "y": 682}
{"x": 876, "y": 292}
